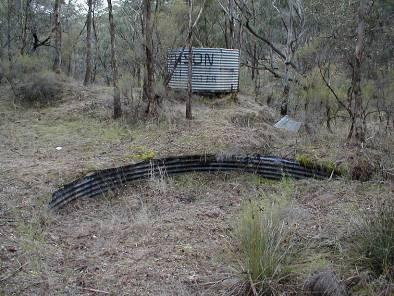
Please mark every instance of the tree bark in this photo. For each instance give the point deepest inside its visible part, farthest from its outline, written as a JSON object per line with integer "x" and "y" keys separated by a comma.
{"x": 357, "y": 134}
{"x": 285, "y": 100}
{"x": 189, "y": 65}
{"x": 117, "y": 104}
{"x": 88, "y": 72}
{"x": 9, "y": 17}
{"x": 288, "y": 60}
{"x": 58, "y": 37}
{"x": 70, "y": 60}
{"x": 255, "y": 62}
{"x": 229, "y": 23}
{"x": 96, "y": 54}
{"x": 24, "y": 25}
{"x": 148, "y": 94}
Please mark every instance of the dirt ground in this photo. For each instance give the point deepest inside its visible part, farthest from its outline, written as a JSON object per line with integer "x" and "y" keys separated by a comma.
{"x": 159, "y": 237}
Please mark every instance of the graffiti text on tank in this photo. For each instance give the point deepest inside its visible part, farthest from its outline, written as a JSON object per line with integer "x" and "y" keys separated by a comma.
{"x": 199, "y": 59}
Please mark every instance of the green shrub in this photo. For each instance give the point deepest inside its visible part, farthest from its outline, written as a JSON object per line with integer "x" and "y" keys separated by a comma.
{"x": 326, "y": 165}
{"x": 27, "y": 65}
{"x": 372, "y": 247}
{"x": 266, "y": 246}
{"x": 141, "y": 153}
{"x": 42, "y": 89}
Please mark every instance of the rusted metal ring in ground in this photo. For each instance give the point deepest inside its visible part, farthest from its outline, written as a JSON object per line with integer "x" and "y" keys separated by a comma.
{"x": 103, "y": 181}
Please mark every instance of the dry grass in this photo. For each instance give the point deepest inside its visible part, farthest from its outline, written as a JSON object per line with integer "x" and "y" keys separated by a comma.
{"x": 165, "y": 236}
{"x": 372, "y": 246}
{"x": 42, "y": 89}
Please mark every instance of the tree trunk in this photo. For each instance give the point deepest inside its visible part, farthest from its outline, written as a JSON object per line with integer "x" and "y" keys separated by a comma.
{"x": 151, "y": 109}
{"x": 240, "y": 35}
{"x": 88, "y": 73}
{"x": 289, "y": 56}
{"x": 25, "y": 20}
{"x": 226, "y": 41}
{"x": 117, "y": 104}
{"x": 357, "y": 135}
{"x": 1, "y": 49}
{"x": 189, "y": 65}
{"x": 254, "y": 61}
{"x": 285, "y": 100}
{"x": 69, "y": 64}
{"x": 9, "y": 17}
{"x": 96, "y": 52}
{"x": 328, "y": 116}
{"x": 58, "y": 37}
{"x": 231, "y": 26}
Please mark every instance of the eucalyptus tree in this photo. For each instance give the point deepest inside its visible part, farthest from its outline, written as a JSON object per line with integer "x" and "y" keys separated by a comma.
{"x": 148, "y": 92}
{"x": 57, "y": 28}
{"x": 191, "y": 26}
{"x": 288, "y": 19}
{"x": 24, "y": 21}
{"x": 88, "y": 70}
{"x": 117, "y": 103}
{"x": 10, "y": 13}
{"x": 358, "y": 39}
{"x": 213, "y": 29}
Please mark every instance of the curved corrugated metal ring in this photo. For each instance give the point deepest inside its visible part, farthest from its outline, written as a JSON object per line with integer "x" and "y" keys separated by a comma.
{"x": 103, "y": 181}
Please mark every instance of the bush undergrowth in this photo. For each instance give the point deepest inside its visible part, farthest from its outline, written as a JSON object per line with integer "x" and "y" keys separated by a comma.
{"x": 40, "y": 90}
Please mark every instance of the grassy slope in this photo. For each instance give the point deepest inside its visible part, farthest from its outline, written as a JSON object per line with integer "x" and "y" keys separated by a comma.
{"x": 169, "y": 236}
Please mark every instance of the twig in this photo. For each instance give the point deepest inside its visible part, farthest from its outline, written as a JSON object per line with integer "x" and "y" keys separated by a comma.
{"x": 252, "y": 285}
{"x": 13, "y": 273}
{"x": 333, "y": 91}
{"x": 332, "y": 174}
{"x": 217, "y": 282}
{"x": 270, "y": 44}
{"x": 95, "y": 290}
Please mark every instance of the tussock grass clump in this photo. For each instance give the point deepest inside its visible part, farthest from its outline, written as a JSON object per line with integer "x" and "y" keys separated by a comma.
{"x": 372, "y": 247}
{"x": 244, "y": 120}
{"x": 266, "y": 246}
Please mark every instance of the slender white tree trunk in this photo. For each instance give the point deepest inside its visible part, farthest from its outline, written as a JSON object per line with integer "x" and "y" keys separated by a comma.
{"x": 357, "y": 131}
{"x": 88, "y": 71}
{"x": 190, "y": 64}
{"x": 117, "y": 104}
{"x": 58, "y": 37}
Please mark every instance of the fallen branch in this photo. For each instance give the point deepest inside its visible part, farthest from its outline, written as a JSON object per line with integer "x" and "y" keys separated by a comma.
{"x": 270, "y": 44}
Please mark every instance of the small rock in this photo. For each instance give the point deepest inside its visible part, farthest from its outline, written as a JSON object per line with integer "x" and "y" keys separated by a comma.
{"x": 11, "y": 249}
{"x": 193, "y": 278}
{"x": 324, "y": 283}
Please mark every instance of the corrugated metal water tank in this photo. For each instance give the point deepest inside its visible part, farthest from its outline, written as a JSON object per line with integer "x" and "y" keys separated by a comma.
{"x": 213, "y": 69}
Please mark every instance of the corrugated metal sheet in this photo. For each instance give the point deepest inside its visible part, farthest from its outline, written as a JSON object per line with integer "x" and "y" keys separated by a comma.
{"x": 213, "y": 69}
{"x": 288, "y": 124}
